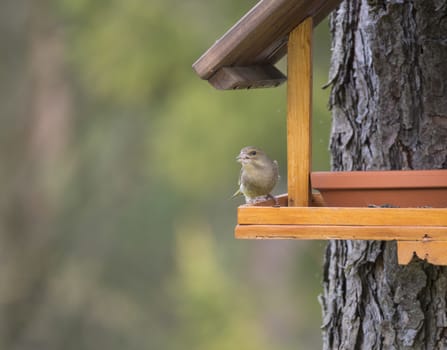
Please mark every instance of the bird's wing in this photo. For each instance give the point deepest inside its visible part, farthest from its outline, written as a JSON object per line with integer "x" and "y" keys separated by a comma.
{"x": 238, "y": 192}
{"x": 276, "y": 169}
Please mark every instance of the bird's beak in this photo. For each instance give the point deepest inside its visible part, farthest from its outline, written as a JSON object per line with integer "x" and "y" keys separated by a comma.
{"x": 241, "y": 157}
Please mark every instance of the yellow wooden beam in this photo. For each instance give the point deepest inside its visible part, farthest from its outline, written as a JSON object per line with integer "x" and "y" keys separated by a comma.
{"x": 342, "y": 216}
{"x": 299, "y": 112}
{"x": 434, "y": 252}
{"x": 326, "y": 232}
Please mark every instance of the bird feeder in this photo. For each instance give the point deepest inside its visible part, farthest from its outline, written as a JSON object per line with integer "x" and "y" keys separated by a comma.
{"x": 243, "y": 58}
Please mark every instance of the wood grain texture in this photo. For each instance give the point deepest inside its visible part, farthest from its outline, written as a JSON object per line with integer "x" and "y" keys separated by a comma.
{"x": 342, "y": 216}
{"x": 260, "y": 36}
{"x": 434, "y": 252}
{"x": 299, "y": 113}
{"x": 257, "y": 76}
{"x": 341, "y": 232}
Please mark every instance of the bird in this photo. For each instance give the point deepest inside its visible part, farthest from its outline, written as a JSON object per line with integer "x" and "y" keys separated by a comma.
{"x": 259, "y": 175}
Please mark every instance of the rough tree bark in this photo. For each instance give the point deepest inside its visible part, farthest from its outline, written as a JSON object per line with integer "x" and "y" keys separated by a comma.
{"x": 389, "y": 108}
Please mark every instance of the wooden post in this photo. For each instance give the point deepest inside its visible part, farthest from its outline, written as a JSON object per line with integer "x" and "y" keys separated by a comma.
{"x": 433, "y": 252}
{"x": 299, "y": 112}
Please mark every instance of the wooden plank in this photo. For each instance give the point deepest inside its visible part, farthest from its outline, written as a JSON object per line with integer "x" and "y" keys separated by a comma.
{"x": 342, "y": 216}
{"x": 260, "y": 34}
{"x": 383, "y": 179}
{"x": 325, "y": 232}
{"x": 299, "y": 113}
{"x": 257, "y": 76}
{"x": 433, "y": 251}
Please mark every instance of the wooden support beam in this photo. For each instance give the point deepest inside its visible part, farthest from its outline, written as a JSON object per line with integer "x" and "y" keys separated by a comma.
{"x": 434, "y": 252}
{"x": 299, "y": 112}
{"x": 418, "y": 231}
{"x": 250, "y": 215}
{"x": 325, "y": 232}
{"x": 248, "y": 77}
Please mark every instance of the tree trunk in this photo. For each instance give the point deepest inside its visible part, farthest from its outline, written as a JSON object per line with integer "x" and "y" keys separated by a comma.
{"x": 389, "y": 108}
{"x": 35, "y": 102}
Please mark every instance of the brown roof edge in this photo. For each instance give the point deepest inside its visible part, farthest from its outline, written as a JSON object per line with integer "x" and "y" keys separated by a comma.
{"x": 260, "y": 36}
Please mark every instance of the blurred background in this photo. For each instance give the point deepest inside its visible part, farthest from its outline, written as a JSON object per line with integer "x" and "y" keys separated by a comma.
{"x": 117, "y": 168}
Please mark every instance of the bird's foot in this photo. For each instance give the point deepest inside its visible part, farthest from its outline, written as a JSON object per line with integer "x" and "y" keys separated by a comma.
{"x": 255, "y": 200}
{"x": 260, "y": 199}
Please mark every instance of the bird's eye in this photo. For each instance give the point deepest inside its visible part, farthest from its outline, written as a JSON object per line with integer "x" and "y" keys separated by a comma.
{"x": 253, "y": 153}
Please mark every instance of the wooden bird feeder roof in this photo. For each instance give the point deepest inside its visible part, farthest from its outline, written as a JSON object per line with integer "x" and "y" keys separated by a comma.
{"x": 244, "y": 57}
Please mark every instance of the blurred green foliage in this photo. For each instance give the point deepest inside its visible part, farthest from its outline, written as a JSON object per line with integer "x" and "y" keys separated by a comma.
{"x": 141, "y": 220}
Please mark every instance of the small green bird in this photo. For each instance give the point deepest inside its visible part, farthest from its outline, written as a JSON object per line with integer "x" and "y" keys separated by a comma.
{"x": 259, "y": 175}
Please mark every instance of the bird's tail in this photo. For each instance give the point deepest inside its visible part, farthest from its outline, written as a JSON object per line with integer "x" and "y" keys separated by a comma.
{"x": 237, "y": 193}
